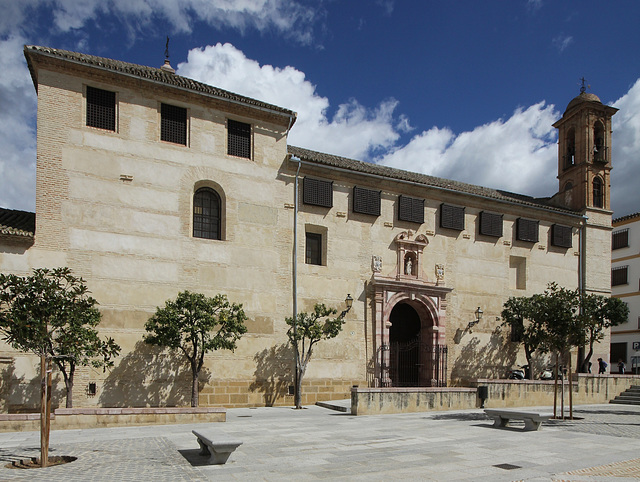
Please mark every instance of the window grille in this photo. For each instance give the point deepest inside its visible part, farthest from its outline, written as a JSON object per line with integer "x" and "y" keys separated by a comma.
{"x": 561, "y": 236}
{"x": 451, "y": 217}
{"x": 238, "y": 139}
{"x": 598, "y": 193}
{"x": 411, "y": 209}
{"x": 174, "y": 124}
{"x": 313, "y": 249}
{"x": 490, "y": 224}
{"x": 366, "y": 201}
{"x": 527, "y": 230}
{"x": 619, "y": 275}
{"x": 206, "y": 214}
{"x": 101, "y": 109}
{"x": 620, "y": 239}
{"x": 317, "y": 192}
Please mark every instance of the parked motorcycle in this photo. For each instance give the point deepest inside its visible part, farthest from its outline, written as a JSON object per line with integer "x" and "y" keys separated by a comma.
{"x": 519, "y": 373}
{"x": 547, "y": 373}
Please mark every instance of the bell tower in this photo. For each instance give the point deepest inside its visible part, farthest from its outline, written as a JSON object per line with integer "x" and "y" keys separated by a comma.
{"x": 584, "y": 153}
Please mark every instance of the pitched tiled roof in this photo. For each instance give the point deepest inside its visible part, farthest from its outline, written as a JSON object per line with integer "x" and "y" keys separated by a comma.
{"x": 428, "y": 181}
{"x": 153, "y": 74}
{"x": 625, "y": 218}
{"x": 17, "y": 223}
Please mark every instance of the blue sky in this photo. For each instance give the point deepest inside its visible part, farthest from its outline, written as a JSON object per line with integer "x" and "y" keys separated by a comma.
{"x": 465, "y": 90}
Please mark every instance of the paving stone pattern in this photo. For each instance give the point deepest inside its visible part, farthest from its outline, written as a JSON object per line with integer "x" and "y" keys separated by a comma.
{"x": 320, "y": 444}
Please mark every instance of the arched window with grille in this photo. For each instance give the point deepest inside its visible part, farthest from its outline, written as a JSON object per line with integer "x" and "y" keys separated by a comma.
{"x": 598, "y": 193}
{"x": 207, "y": 214}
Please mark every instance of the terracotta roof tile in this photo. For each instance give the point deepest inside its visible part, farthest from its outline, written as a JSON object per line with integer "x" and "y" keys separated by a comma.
{"x": 17, "y": 223}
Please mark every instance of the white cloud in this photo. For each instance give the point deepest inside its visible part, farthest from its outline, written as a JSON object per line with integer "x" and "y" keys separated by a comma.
{"x": 518, "y": 154}
{"x": 562, "y": 42}
{"x": 626, "y": 153}
{"x": 353, "y": 131}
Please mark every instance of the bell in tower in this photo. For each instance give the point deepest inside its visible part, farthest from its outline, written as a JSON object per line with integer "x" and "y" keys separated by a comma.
{"x": 584, "y": 153}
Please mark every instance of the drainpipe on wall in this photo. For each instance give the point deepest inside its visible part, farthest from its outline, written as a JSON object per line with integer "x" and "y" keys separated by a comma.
{"x": 581, "y": 279}
{"x": 295, "y": 271}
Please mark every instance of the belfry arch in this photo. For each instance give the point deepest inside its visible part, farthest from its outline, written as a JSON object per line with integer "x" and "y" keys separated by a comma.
{"x": 409, "y": 319}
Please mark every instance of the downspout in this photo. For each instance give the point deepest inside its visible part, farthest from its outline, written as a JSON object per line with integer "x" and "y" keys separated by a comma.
{"x": 581, "y": 281}
{"x": 295, "y": 275}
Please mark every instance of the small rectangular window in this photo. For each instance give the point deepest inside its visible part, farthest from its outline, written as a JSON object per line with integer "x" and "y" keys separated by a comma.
{"x": 620, "y": 239}
{"x": 411, "y": 209}
{"x": 238, "y": 139}
{"x": 527, "y": 230}
{"x": 313, "y": 250}
{"x": 366, "y": 201}
{"x": 451, "y": 217}
{"x": 317, "y": 192}
{"x": 619, "y": 275}
{"x": 490, "y": 224}
{"x": 561, "y": 236}
{"x": 101, "y": 109}
{"x": 173, "y": 126}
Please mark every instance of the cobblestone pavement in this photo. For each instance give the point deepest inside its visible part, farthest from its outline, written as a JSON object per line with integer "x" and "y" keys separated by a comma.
{"x": 320, "y": 444}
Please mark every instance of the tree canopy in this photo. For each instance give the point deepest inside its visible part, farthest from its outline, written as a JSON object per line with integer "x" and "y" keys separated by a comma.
{"x": 195, "y": 324}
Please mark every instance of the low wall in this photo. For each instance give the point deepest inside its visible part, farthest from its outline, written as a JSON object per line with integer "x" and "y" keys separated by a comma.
{"x": 587, "y": 389}
{"x": 74, "y": 418}
{"x": 370, "y": 401}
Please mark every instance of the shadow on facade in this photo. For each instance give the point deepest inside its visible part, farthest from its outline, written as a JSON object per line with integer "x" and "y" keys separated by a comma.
{"x": 149, "y": 376}
{"x": 21, "y": 395}
{"x": 274, "y": 372}
{"x": 479, "y": 360}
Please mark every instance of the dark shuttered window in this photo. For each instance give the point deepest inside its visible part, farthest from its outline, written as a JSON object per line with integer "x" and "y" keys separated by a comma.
{"x": 490, "y": 224}
{"x": 451, "y": 217}
{"x": 411, "y": 209}
{"x": 206, "y": 214}
{"x": 313, "y": 254}
{"x": 174, "y": 124}
{"x": 366, "y": 201}
{"x": 619, "y": 275}
{"x": 238, "y": 139}
{"x": 101, "y": 109}
{"x": 620, "y": 239}
{"x": 527, "y": 230}
{"x": 561, "y": 236}
{"x": 317, "y": 192}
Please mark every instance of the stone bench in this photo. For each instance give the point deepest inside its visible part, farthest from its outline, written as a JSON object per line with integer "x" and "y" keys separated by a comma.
{"x": 218, "y": 447}
{"x": 532, "y": 420}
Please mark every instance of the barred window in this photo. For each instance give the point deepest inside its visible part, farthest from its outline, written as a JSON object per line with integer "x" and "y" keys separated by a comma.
{"x": 206, "y": 214}
{"x": 366, "y": 201}
{"x": 317, "y": 192}
{"x": 620, "y": 239}
{"x": 490, "y": 224}
{"x": 561, "y": 236}
{"x": 101, "y": 109}
{"x": 411, "y": 209}
{"x": 619, "y": 275}
{"x": 598, "y": 193}
{"x": 238, "y": 139}
{"x": 173, "y": 127}
{"x": 451, "y": 217}
{"x": 313, "y": 251}
{"x": 527, "y": 230}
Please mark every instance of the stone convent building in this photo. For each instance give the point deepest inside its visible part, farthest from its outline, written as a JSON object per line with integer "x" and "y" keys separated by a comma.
{"x": 149, "y": 183}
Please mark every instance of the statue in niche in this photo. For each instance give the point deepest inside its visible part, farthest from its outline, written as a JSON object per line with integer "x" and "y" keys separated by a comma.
{"x": 408, "y": 266}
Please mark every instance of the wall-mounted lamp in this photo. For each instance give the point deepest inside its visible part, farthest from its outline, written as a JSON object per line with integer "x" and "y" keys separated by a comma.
{"x": 478, "y": 314}
{"x": 349, "y": 302}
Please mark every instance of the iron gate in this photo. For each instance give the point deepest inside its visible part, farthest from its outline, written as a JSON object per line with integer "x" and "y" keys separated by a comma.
{"x": 413, "y": 364}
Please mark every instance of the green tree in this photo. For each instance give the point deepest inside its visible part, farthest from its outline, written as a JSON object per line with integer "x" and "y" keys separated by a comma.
{"x": 304, "y": 332}
{"x": 597, "y": 314}
{"x": 196, "y": 324}
{"x": 516, "y": 314}
{"x": 51, "y": 314}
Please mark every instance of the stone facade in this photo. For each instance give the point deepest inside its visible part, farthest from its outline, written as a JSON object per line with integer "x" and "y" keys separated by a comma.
{"x": 117, "y": 206}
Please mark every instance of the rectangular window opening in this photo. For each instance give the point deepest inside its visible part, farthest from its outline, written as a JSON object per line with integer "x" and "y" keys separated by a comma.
{"x": 317, "y": 192}
{"x": 411, "y": 209}
{"x": 313, "y": 249}
{"x": 173, "y": 126}
{"x": 366, "y": 201}
{"x": 490, "y": 224}
{"x": 238, "y": 139}
{"x": 452, "y": 217}
{"x": 101, "y": 109}
{"x": 561, "y": 236}
{"x": 527, "y": 230}
{"x": 620, "y": 239}
{"x": 619, "y": 275}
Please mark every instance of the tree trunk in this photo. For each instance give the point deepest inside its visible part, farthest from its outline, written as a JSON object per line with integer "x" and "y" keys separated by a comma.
{"x": 194, "y": 387}
{"x": 555, "y": 390}
{"x": 68, "y": 383}
{"x": 298, "y": 396}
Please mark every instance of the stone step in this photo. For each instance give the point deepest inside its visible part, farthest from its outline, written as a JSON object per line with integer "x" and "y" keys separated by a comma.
{"x": 625, "y": 402}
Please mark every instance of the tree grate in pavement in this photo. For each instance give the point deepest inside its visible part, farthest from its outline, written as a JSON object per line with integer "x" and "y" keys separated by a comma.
{"x": 507, "y": 466}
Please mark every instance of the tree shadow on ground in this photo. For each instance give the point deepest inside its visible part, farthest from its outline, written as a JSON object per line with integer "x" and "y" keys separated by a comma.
{"x": 21, "y": 395}
{"x": 490, "y": 360}
{"x": 150, "y": 376}
{"x": 274, "y": 372}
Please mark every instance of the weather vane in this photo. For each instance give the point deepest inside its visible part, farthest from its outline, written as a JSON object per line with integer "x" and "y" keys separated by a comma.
{"x": 166, "y": 50}
{"x": 583, "y": 88}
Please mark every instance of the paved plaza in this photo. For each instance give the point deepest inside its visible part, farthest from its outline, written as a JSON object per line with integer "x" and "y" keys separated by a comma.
{"x": 321, "y": 444}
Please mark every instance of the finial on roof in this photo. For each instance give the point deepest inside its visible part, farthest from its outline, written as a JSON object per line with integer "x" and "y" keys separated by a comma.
{"x": 583, "y": 87}
{"x": 167, "y": 66}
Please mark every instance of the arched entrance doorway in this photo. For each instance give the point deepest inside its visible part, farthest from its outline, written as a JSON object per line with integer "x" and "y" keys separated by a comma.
{"x": 404, "y": 346}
